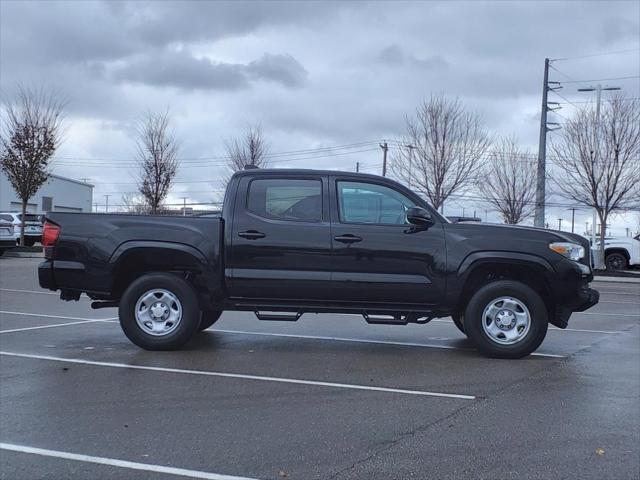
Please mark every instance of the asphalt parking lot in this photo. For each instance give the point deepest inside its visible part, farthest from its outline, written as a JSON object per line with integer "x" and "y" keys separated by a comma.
{"x": 327, "y": 397}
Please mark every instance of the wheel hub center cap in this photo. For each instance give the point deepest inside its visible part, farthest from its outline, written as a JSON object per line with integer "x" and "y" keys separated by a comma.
{"x": 158, "y": 310}
{"x": 505, "y": 319}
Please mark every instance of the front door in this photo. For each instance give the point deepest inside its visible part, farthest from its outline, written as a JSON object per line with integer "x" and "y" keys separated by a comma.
{"x": 378, "y": 256}
{"x": 280, "y": 243}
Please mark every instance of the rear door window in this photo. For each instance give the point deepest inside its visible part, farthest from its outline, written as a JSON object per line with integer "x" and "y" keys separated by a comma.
{"x": 286, "y": 199}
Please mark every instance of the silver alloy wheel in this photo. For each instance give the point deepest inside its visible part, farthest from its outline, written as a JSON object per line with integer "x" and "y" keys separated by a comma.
{"x": 506, "y": 320}
{"x": 158, "y": 312}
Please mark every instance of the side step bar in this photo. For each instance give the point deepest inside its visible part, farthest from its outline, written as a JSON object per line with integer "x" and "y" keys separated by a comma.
{"x": 286, "y": 317}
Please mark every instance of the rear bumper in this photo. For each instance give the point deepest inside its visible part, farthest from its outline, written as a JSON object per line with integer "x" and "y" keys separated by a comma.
{"x": 45, "y": 275}
{"x": 7, "y": 243}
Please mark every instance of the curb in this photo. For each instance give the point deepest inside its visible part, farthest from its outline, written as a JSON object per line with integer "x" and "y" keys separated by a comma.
{"x": 616, "y": 279}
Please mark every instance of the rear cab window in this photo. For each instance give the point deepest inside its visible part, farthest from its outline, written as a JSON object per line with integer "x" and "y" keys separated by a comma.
{"x": 286, "y": 199}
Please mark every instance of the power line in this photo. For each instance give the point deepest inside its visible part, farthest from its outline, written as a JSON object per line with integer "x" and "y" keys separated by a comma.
{"x": 602, "y": 79}
{"x": 615, "y": 52}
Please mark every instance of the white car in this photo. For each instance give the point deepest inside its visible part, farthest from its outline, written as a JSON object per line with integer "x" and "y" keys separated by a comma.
{"x": 621, "y": 253}
{"x": 7, "y": 240}
{"x": 32, "y": 227}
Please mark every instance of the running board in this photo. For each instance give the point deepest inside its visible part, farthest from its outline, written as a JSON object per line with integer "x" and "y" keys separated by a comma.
{"x": 285, "y": 317}
{"x": 396, "y": 319}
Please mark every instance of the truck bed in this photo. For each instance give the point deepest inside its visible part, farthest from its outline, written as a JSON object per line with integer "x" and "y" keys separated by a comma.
{"x": 93, "y": 249}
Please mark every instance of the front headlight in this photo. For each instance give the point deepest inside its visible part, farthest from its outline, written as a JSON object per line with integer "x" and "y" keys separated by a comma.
{"x": 572, "y": 251}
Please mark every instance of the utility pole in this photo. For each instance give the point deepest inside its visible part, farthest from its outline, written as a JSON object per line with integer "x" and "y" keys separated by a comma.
{"x": 384, "y": 148}
{"x": 184, "y": 206}
{"x": 560, "y": 224}
{"x": 107, "y": 204}
{"x": 357, "y": 167}
{"x": 598, "y": 89}
{"x": 573, "y": 218}
{"x": 538, "y": 219}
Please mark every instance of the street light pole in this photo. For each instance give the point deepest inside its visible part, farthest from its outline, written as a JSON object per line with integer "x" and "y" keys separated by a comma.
{"x": 598, "y": 89}
{"x": 410, "y": 147}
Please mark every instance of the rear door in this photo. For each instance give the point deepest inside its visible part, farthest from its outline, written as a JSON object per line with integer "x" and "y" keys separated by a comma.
{"x": 378, "y": 256}
{"x": 280, "y": 239}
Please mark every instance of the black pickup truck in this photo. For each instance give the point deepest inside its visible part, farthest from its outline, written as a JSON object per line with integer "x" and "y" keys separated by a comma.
{"x": 294, "y": 241}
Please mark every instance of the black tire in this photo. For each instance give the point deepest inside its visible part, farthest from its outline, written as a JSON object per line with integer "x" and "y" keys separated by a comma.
{"x": 458, "y": 321}
{"x": 616, "y": 261}
{"x": 29, "y": 242}
{"x": 209, "y": 317}
{"x": 538, "y": 319}
{"x": 185, "y": 328}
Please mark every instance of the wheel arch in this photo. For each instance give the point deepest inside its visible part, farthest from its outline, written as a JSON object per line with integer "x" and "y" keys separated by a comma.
{"x": 481, "y": 269}
{"x": 133, "y": 259}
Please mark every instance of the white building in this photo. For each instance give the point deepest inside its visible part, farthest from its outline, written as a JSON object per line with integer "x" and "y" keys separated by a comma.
{"x": 58, "y": 194}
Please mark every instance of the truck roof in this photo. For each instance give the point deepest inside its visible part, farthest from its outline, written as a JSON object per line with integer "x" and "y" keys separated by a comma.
{"x": 303, "y": 171}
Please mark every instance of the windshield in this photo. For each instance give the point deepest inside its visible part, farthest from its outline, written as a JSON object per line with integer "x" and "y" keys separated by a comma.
{"x": 29, "y": 217}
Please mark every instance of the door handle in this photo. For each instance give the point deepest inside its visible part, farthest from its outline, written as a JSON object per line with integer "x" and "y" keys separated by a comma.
{"x": 251, "y": 234}
{"x": 348, "y": 238}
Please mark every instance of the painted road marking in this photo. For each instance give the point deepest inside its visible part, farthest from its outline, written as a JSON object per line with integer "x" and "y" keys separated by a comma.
{"x": 12, "y": 330}
{"x": 363, "y": 340}
{"x": 56, "y": 316}
{"x": 608, "y": 332}
{"x": 241, "y": 376}
{"x": 147, "y": 467}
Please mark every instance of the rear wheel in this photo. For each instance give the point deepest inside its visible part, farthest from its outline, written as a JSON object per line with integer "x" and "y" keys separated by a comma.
{"x": 458, "y": 321}
{"x": 209, "y": 317}
{"x": 159, "y": 311}
{"x": 616, "y": 261}
{"x": 506, "y": 319}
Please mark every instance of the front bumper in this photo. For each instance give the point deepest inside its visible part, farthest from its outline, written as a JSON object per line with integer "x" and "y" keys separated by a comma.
{"x": 583, "y": 299}
{"x": 588, "y": 297}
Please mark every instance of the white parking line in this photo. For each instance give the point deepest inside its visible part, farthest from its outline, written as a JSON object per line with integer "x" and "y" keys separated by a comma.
{"x": 363, "y": 340}
{"x": 619, "y": 303}
{"x": 12, "y": 330}
{"x": 147, "y": 467}
{"x": 609, "y": 314}
{"x": 16, "y": 290}
{"x": 241, "y": 376}
{"x": 55, "y": 316}
{"x": 552, "y": 328}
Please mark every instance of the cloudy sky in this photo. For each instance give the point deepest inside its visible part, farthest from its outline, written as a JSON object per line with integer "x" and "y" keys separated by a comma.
{"x": 314, "y": 74}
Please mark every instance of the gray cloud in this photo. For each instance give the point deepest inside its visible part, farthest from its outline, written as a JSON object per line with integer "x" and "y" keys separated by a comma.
{"x": 181, "y": 69}
{"x": 282, "y": 69}
{"x": 394, "y": 55}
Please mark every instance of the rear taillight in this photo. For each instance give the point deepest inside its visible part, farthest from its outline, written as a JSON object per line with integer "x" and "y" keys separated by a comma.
{"x": 50, "y": 234}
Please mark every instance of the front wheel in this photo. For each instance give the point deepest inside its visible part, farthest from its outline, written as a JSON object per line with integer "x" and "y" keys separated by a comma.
{"x": 506, "y": 319}
{"x": 159, "y": 311}
{"x": 209, "y": 317}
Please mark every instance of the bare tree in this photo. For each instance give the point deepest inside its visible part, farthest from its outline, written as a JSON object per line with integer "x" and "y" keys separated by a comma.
{"x": 509, "y": 184}
{"x": 249, "y": 149}
{"x": 135, "y": 204}
{"x": 443, "y": 149}
{"x": 157, "y": 152}
{"x": 599, "y": 160}
{"x": 30, "y": 134}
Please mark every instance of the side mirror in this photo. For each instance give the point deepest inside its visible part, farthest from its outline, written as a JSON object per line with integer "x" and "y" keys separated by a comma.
{"x": 419, "y": 216}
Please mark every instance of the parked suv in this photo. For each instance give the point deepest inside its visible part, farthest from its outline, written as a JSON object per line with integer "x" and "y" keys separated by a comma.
{"x": 7, "y": 240}
{"x": 32, "y": 227}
